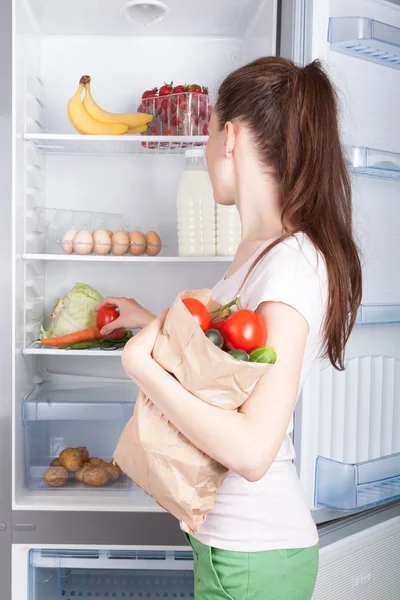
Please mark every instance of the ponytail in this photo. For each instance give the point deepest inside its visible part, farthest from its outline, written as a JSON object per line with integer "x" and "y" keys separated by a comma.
{"x": 292, "y": 113}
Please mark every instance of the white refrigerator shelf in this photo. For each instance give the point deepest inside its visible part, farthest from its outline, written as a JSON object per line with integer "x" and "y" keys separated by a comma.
{"x": 366, "y": 39}
{"x": 37, "y": 348}
{"x": 372, "y": 162}
{"x": 114, "y": 145}
{"x": 128, "y": 258}
{"x": 345, "y": 486}
{"x": 378, "y": 314}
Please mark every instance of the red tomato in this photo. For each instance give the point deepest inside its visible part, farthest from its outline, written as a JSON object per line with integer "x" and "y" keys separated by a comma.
{"x": 105, "y": 316}
{"x": 244, "y": 330}
{"x": 198, "y": 312}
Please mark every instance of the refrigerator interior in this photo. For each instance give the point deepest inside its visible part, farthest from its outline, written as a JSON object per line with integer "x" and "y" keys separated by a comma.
{"x": 57, "y": 168}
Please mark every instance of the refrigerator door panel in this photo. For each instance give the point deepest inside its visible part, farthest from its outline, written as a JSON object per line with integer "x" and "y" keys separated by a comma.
{"x": 353, "y": 417}
{"x": 6, "y": 28}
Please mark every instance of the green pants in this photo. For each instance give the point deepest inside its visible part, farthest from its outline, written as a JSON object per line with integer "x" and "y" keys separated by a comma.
{"x": 271, "y": 575}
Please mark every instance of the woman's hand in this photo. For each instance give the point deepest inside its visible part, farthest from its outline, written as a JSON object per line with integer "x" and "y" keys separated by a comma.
{"x": 131, "y": 314}
{"x": 137, "y": 352}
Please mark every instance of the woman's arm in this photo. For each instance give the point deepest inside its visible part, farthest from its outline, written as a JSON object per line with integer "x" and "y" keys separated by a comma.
{"x": 246, "y": 441}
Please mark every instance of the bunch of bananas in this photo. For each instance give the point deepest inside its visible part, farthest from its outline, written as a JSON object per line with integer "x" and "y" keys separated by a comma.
{"x": 88, "y": 118}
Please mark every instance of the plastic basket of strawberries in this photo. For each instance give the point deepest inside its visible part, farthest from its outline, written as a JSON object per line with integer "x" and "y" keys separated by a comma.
{"x": 182, "y": 110}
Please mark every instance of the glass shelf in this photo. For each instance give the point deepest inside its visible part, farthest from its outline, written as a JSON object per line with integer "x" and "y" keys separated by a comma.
{"x": 344, "y": 486}
{"x": 38, "y": 349}
{"x": 128, "y": 258}
{"x": 113, "y": 145}
{"x": 372, "y": 162}
{"x": 366, "y": 39}
{"x": 378, "y": 314}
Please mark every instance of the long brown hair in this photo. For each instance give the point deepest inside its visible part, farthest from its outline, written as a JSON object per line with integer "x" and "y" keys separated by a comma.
{"x": 292, "y": 115}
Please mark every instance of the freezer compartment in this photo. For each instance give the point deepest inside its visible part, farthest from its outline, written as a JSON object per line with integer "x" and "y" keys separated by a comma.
{"x": 345, "y": 486}
{"x": 365, "y": 38}
{"x": 58, "y": 416}
{"x": 372, "y": 162}
{"x": 67, "y": 575}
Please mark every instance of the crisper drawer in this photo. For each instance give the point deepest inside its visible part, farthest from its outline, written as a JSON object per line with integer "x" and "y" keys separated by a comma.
{"x": 102, "y": 575}
{"x": 91, "y": 417}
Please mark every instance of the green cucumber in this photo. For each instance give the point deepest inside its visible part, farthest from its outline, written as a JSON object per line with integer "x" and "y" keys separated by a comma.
{"x": 263, "y": 354}
{"x": 239, "y": 355}
{"x": 215, "y": 337}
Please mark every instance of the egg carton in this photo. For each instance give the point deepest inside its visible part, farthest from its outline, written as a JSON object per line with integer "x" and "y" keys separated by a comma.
{"x": 87, "y": 232}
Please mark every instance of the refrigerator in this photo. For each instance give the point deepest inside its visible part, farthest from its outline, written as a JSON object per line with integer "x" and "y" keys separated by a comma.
{"x": 115, "y": 542}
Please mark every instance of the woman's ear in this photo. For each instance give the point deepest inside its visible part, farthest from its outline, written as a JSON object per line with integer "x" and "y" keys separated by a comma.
{"x": 230, "y": 139}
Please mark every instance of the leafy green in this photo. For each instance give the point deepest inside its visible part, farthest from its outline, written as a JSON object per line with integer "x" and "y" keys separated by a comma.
{"x": 74, "y": 312}
{"x": 103, "y": 344}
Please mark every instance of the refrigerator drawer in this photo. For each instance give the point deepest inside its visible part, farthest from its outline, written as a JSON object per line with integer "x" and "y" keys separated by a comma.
{"x": 150, "y": 574}
{"x": 60, "y": 416}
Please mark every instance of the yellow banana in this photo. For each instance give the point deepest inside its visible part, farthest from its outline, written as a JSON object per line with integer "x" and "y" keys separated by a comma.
{"x": 132, "y": 120}
{"x": 137, "y": 129}
{"x": 83, "y": 123}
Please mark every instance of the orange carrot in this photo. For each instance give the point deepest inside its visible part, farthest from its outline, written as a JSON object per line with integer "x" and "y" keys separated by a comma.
{"x": 84, "y": 335}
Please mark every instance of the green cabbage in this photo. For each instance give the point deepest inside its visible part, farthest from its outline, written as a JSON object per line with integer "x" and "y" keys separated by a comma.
{"x": 74, "y": 312}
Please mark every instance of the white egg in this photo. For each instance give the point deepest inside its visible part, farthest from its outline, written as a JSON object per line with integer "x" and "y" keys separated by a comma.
{"x": 102, "y": 242}
{"x": 83, "y": 242}
{"x": 67, "y": 241}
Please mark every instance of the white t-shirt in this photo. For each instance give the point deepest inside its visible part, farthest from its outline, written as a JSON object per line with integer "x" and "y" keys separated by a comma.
{"x": 272, "y": 513}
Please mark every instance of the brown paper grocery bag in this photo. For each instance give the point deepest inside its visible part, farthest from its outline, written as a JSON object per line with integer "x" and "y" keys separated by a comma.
{"x": 159, "y": 459}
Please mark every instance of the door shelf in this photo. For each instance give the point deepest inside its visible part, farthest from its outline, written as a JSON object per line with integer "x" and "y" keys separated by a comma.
{"x": 366, "y": 39}
{"x": 373, "y": 163}
{"x": 113, "y": 145}
{"x": 378, "y": 314}
{"x": 344, "y": 486}
{"x": 128, "y": 258}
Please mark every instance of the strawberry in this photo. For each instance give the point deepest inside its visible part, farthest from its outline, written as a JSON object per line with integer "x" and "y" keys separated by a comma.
{"x": 168, "y": 131}
{"x": 149, "y": 93}
{"x": 204, "y": 130}
{"x": 141, "y": 108}
{"x": 205, "y": 90}
{"x": 195, "y": 88}
{"x": 166, "y": 89}
{"x": 177, "y": 123}
{"x": 158, "y": 104}
{"x": 180, "y": 89}
{"x": 166, "y": 104}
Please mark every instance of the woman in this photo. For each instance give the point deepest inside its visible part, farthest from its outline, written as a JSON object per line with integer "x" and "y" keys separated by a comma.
{"x": 274, "y": 151}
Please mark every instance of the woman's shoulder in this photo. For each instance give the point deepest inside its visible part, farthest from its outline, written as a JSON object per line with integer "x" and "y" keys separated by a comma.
{"x": 293, "y": 272}
{"x": 296, "y": 253}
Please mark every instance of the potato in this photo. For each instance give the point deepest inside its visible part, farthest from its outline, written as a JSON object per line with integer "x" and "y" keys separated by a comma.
{"x": 79, "y": 474}
{"x": 55, "y": 463}
{"x": 96, "y": 462}
{"x": 112, "y": 471}
{"x": 56, "y": 476}
{"x": 71, "y": 459}
{"x": 95, "y": 477}
{"x": 83, "y": 451}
